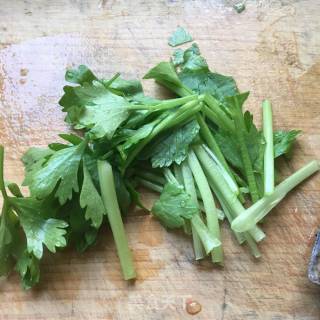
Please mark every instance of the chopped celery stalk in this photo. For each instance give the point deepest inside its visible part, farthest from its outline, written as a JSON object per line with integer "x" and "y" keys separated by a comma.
{"x": 172, "y": 103}
{"x": 241, "y": 237}
{"x": 190, "y": 188}
{"x": 268, "y": 152}
{"x": 178, "y": 173}
{"x": 109, "y": 198}
{"x": 244, "y": 152}
{"x": 208, "y": 202}
{"x": 149, "y": 185}
{"x": 170, "y": 176}
{"x": 252, "y": 245}
{"x": 251, "y": 216}
{"x": 233, "y": 186}
{"x": 221, "y": 214}
{"x": 220, "y": 186}
{"x": 150, "y": 176}
{"x": 209, "y": 242}
{"x": 217, "y": 115}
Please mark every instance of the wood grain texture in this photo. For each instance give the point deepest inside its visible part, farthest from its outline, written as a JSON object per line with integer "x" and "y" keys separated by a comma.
{"x": 272, "y": 49}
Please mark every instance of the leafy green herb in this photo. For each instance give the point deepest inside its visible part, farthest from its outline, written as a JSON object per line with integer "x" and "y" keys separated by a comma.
{"x": 174, "y": 147}
{"x": 196, "y": 149}
{"x": 283, "y": 142}
{"x": 239, "y": 7}
{"x": 60, "y": 170}
{"x": 91, "y": 200}
{"x": 179, "y": 37}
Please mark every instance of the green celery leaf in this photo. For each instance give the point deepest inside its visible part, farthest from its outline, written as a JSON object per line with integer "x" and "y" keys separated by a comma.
{"x": 62, "y": 167}
{"x": 283, "y": 142}
{"x": 80, "y": 232}
{"x": 70, "y": 137}
{"x": 174, "y": 146}
{"x": 128, "y": 88}
{"x": 216, "y": 84}
{"x": 39, "y": 230}
{"x": 9, "y": 238}
{"x": 179, "y": 37}
{"x": 229, "y": 147}
{"x": 28, "y": 267}
{"x": 91, "y": 200}
{"x": 14, "y": 189}
{"x": 95, "y": 108}
{"x": 174, "y": 206}
{"x": 132, "y": 90}
{"x": 163, "y": 71}
{"x": 255, "y": 143}
{"x": 33, "y": 155}
{"x": 80, "y": 75}
{"x": 196, "y": 75}
{"x": 56, "y": 146}
{"x": 177, "y": 57}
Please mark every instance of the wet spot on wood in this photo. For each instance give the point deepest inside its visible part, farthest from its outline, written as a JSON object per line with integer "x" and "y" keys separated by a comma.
{"x": 193, "y": 307}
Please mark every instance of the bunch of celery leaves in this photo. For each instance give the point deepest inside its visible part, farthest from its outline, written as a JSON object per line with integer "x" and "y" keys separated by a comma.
{"x": 200, "y": 151}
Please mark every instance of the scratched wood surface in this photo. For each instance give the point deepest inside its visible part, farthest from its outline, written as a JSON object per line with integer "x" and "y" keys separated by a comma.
{"x": 272, "y": 49}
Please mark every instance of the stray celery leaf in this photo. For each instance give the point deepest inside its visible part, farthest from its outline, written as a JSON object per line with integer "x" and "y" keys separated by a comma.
{"x": 91, "y": 200}
{"x": 283, "y": 142}
{"x": 179, "y": 37}
{"x": 80, "y": 75}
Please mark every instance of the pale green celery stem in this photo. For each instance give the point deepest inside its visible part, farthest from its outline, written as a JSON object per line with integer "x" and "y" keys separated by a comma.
{"x": 252, "y": 245}
{"x": 151, "y": 176}
{"x": 208, "y": 202}
{"x": 211, "y": 142}
{"x": 241, "y": 237}
{"x": 149, "y": 185}
{"x": 178, "y": 173}
{"x": 183, "y": 113}
{"x": 179, "y": 90}
{"x": 232, "y": 185}
{"x": 165, "y": 105}
{"x": 221, "y": 214}
{"x": 107, "y": 83}
{"x": 180, "y": 119}
{"x": 2, "y": 185}
{"x": 268, "y": 152}
{"x": 251, "y": 216}
{"x": 109, "y": 198}
{"x": 223, "y": 189}
{"x": 172, "y": 103}
{"x": 241, "y": 130}
{"x": 209, "y": 243}
{"x": 218, "y": 115}
{"x": 191, "y": 190}
{"x": 169, "y": 176}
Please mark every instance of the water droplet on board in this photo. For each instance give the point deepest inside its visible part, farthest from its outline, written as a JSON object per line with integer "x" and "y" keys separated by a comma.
{"x": 193, "y": 307}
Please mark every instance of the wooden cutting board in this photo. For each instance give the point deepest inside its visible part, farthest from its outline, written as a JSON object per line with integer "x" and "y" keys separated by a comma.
{"x": 272, "y": 49}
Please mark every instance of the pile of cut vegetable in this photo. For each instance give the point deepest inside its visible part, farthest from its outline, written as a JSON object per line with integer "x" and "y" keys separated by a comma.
{"x": 201, "y": 151}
